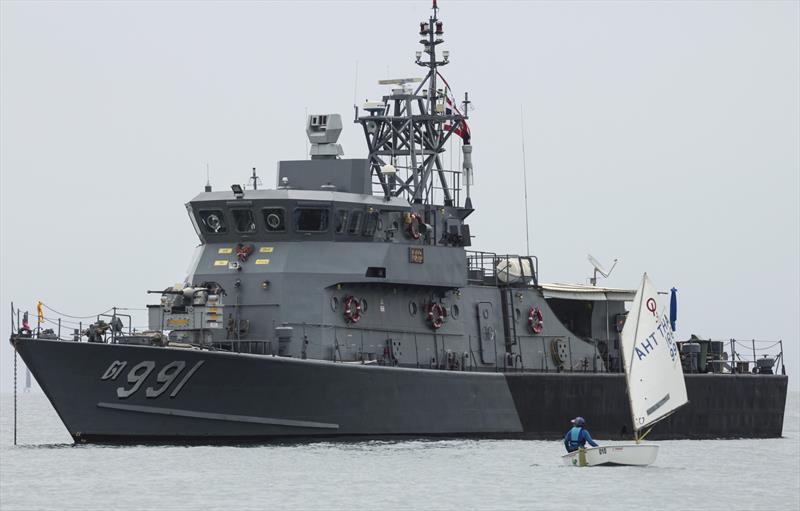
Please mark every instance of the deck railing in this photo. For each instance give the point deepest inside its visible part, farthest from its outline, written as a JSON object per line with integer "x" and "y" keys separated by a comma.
{"x": 55, "y": 325}
{"x": 490, "y": 269}
{"x": 720, "y": 356}
{"x": 732, "y": 356}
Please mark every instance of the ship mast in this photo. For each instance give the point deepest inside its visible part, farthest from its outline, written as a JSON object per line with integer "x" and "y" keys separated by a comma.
{"x": 407, "y": 131}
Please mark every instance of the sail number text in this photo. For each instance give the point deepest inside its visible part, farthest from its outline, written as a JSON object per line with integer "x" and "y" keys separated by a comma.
{"x": 138, "y": 374}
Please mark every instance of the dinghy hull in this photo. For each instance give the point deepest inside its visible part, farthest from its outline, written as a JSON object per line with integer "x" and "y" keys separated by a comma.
{"x": 636, "y": 455}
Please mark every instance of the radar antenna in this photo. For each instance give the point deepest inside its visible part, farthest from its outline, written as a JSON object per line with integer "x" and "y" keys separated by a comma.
{"x": 407, "y": 131}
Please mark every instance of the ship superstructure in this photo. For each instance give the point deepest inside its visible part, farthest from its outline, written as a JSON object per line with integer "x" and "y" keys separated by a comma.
{"x": 364, "y": 259}
{"x": 345, "y": 301}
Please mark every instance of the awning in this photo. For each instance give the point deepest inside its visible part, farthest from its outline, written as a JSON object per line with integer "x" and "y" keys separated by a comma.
{"x": 584, "y": 292}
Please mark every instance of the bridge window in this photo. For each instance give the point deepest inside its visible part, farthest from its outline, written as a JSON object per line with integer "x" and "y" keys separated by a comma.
{"x": 341, "y": 220}
{"x": 274, "y": 219}
{"x": 354, "y": 223}
{"x": 213, "y": 221}
{"x": 371, "y": 223}
{"x": 311, "y": 219}
{"x": 243, "y": 220}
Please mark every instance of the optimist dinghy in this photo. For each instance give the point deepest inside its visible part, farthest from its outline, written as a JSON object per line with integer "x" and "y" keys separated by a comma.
{"x": 654, "y": 375}
{"x": 610, "y": 455}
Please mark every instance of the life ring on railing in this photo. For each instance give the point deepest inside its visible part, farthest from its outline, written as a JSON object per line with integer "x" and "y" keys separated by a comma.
{"x": 436, "y": 315}
{"x": 412, "y": 225}
{"x": 535, "y": 320}
{"x": 352, "y": 309}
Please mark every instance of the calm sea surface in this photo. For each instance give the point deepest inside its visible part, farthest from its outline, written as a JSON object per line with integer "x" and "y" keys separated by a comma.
{"x": 46, "y": 471}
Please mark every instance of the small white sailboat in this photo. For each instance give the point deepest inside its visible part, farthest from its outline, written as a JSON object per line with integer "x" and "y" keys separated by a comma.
{"x": 653, "y": 372}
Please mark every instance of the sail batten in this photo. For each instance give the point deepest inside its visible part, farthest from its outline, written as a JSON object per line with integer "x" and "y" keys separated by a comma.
{"x": 653, "y": 371}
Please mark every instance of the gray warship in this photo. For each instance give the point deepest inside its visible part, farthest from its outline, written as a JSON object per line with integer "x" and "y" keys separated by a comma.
{"x": 345, "y": 302}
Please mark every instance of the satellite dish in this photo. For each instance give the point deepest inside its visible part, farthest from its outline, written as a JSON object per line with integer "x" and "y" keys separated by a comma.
{"x": 598, "y": 268}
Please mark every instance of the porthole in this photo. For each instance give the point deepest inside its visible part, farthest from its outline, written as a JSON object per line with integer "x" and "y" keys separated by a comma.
{"x": 273, "y": 221}
{"x": 334, "y": 303}
{"x": 455, "y": 311}
{"x": 517, "y": 313}
{"x": 213, "y": 221}
{"x": 412, "y": 308}
{"x": 363, "y": 305}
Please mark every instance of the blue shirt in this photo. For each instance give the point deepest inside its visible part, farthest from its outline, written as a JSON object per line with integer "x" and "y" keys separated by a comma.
{"x": 577, "y": 437}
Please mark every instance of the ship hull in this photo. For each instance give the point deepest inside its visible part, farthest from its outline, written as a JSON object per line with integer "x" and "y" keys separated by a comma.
{"x": 116, "y": 393}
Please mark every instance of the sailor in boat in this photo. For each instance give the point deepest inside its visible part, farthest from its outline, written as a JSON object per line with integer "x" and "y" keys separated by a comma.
{"x": 578, "y": 435}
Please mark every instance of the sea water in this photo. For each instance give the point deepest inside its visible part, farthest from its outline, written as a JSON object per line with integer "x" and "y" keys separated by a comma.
{"x": 46, "y": 471}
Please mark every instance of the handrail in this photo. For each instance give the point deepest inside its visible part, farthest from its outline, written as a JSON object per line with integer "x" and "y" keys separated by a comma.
{"x": 765, "y": 356}
{"x": 49, "y": 327}
{"x": 482, "y": 268}
{"x": 756, "y": 356}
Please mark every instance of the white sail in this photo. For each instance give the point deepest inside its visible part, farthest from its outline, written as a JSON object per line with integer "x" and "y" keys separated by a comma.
{"x": 652, "y": 364}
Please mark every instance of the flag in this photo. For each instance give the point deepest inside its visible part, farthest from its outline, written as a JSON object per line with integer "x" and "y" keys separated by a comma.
{"x": 673, "y": 308}
{"x": 39, "y": 312}
{"x": 462, "y": 128}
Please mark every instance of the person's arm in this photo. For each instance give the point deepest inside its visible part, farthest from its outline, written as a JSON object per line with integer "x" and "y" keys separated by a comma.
{"x": 589, "y": 438}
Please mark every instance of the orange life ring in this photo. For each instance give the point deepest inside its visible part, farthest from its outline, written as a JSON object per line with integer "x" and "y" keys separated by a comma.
{"x": 243, "y": 251}
{"x": 352, "y": 309}
{"x": 436, "y": 315}
{"x": 413, "y": 226}
{"x": 535, "y": 320}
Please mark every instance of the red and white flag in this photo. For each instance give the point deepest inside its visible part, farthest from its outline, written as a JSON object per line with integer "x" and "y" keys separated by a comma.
{"x": 462, "y": 128}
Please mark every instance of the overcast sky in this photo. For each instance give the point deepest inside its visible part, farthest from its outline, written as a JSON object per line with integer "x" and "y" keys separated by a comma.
{"x": 664, "y": 134}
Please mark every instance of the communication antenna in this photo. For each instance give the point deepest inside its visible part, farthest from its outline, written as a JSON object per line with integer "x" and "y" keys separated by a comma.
{"x": 525, "y": 182}
{"x": 305, "y": 119}
{"x": 255, "y": 179}
{"x": 598, "y": 268}
{"x": 413, "y": 124}
{"x": 355, "y": 85}
{"x": 208, "y": 178}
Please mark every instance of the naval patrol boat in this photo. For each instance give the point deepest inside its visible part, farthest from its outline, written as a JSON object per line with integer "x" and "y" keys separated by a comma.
{"x": 345, "y": 302}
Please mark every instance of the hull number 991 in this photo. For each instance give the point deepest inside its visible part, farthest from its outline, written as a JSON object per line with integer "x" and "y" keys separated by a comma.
{"x": 138, "y": 374}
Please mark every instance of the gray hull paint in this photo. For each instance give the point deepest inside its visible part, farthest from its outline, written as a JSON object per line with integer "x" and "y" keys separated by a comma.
{"x": 232, "y": 397}
{"x": 720, "y": 405}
